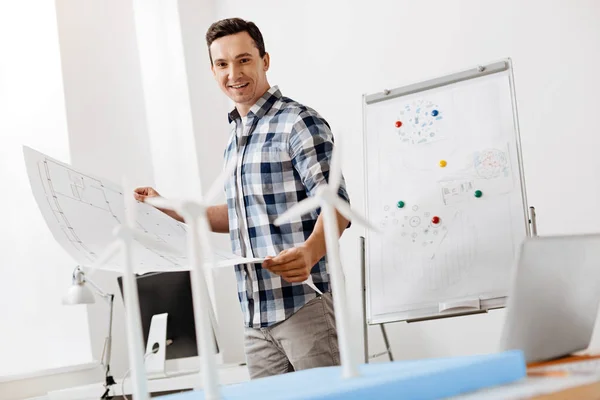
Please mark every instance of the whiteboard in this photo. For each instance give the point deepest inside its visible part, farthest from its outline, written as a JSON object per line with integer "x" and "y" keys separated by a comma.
{"x": 444, "y": 183}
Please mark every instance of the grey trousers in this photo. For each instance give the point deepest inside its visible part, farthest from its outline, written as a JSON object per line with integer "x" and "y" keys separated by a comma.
{"x": 307, "y": 339}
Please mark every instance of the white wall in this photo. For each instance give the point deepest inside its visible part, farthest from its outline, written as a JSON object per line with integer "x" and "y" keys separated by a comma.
{"x": 209, "y": 115}
{"x": 107, "y": 122}
{"x": 327, "y": 54}
{"x": 38, "y": 334}
{"x": 129, "y": 112}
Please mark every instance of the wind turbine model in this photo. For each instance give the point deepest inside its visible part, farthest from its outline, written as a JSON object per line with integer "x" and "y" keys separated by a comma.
{"x": 125, "y": 235}
{"x": 194, "y": 214}
{"x": 327, "y": 198}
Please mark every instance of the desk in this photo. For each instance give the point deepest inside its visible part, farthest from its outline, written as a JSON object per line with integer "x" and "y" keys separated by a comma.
{"x": 535, "y": 388}
{"x": 583, "y": 384}
{"x": 228, "y": 374}
{"x": 579, "y": 388}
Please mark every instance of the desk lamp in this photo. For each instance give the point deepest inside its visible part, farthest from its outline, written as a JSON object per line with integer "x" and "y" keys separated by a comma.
{"x": 80, "y": 293}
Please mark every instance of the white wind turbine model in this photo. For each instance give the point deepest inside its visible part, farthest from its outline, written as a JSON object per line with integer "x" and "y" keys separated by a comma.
{"x": 327, "y": 198}
{"x": 194, "y": 214}
{"x": 125, "y": 235}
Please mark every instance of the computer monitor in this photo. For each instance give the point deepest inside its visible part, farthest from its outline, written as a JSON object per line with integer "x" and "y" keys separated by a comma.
{"x": 171, "y": 293}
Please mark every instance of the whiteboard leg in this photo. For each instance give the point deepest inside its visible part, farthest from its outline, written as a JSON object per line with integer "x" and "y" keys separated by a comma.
{"x": 387, "y": 342}
{"x": 388, "y": 348}
{"x": 361, "y": 249}
{"x": 533, "y": 221}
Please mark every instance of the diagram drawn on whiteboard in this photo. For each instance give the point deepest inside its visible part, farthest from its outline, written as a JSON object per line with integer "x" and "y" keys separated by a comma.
{"x": 418, "y": 228}
{"x": 421, "y": 134}
{"x": 491, "y": 163}
{"x": 434, "y": 256}
{"x": 417, "y": 122}
{"x": 456, "y": 191}
{"x": 489, "y": 168}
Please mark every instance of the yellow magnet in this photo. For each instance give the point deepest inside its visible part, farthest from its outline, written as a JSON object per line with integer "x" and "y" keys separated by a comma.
{"x": 443, "y": 163}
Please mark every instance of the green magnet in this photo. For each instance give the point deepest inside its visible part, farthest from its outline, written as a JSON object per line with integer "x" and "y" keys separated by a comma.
{"x": 400, "y": 204}
{"x": 478, "y": 193}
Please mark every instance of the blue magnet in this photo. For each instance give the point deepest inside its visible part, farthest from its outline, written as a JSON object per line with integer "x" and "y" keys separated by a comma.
{"x": 435, "y": 113}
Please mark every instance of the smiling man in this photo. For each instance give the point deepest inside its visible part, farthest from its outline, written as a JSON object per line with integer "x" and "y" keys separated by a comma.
{"x": 283, "y": 151}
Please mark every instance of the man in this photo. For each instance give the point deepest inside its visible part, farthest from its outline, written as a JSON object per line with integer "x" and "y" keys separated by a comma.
{"x": 282, "y": 150}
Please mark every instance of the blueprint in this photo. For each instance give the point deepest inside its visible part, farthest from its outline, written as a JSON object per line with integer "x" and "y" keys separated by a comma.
{"x": 82, "y": 212}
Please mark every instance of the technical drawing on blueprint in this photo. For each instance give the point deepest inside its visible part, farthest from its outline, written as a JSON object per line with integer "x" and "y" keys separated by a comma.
{"x": 82, "y": 212}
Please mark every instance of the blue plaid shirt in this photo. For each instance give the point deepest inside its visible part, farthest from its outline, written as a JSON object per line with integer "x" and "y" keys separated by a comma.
{"x": 283, "y": 151}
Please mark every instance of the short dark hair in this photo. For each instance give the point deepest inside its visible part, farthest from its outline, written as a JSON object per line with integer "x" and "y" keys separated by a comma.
{"x": 231, "y": 26}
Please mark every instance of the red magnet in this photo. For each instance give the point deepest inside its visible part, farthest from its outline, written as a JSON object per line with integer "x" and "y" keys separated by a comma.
{"x": 435, "y": 220}
{"x": 398, "y": 124}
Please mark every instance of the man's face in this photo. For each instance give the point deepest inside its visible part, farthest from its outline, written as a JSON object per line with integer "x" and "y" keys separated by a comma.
{"x": 238, "y": 68}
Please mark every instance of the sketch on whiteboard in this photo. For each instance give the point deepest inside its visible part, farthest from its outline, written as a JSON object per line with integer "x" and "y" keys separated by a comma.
{"x": 417, "y": 122}
{"x": 417, "y": 228}
{"x": 488, "y": 170}
{"x": 454, "y": 192}
{"x": 422, "y": 129}
{"x": 435, "y": 257}
{"x": 82, "y": 212}
{"x": 491, "y": 163}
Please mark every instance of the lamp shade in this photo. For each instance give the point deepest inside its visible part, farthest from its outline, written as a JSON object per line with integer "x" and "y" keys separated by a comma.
{"x": 79, "y": 293}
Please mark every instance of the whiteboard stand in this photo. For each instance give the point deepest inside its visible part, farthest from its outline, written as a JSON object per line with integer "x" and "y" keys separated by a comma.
{"x": 443, "y": 151}
{"x": 388, "y": 348}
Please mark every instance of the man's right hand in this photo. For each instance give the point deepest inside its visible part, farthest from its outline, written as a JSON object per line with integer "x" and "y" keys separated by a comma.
{"x": 142, "y": 193}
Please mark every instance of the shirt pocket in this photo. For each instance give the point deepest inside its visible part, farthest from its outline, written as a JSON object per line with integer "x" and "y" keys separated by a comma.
{"x": 269, "y": 170}
{"x": 276, "y": 169}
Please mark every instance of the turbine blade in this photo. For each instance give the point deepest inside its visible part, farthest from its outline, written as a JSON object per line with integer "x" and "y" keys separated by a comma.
{"x": 304, "y": 207}
{"x": 108, "y": 253}
{"x": 344, "y": 209}
{"x": 161, "y": 202}
{"x": 151, "y": 242}
{"x": 217, "y": 186}
{"x": 130, "y": 204}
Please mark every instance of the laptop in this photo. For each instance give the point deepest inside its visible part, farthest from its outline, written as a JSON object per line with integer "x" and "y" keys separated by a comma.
{"x": 554, "y": 298}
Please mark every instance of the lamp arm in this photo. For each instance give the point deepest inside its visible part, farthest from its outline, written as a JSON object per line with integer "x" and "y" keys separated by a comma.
{"x": 80, "y": 278}
{"x": 110, "y": 298}
{"x": 107, "y": 351}
{"x": 99, "y": 291}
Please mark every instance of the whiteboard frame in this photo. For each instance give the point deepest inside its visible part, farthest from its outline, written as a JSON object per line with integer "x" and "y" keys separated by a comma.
{"x": 428, "y": 313}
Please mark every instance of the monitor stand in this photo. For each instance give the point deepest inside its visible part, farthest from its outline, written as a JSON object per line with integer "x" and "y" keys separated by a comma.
{"x": 155, "y": 359}
{"x": 156, "y": 347}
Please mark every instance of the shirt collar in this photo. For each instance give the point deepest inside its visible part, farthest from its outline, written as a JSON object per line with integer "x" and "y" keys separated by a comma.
{"x": 262, "y": 105}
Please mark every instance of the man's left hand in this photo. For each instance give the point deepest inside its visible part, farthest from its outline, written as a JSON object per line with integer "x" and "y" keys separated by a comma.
{"x": 293, "y": 264}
